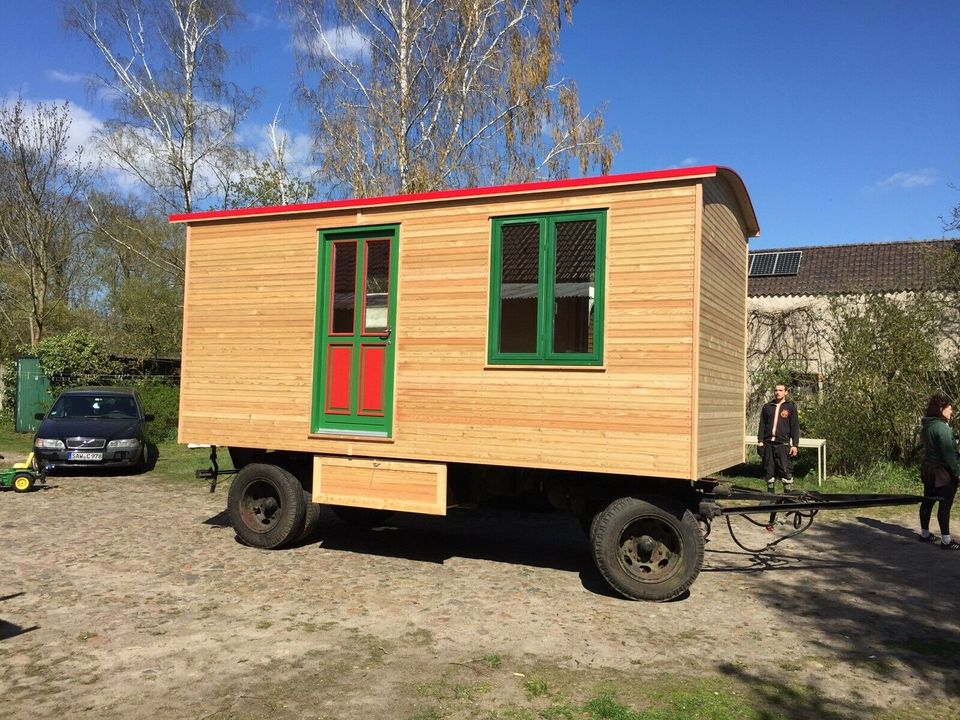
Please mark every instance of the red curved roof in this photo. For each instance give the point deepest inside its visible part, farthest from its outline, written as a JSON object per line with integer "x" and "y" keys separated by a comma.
{"x": 736, "y": 184}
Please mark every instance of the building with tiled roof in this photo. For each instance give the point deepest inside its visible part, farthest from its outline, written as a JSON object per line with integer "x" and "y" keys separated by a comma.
{"x": 790, "y": 291}
{"x": 853, "y": 269}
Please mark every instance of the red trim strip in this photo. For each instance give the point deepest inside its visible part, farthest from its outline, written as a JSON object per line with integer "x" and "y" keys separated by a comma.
{"x": 571, "y": 183}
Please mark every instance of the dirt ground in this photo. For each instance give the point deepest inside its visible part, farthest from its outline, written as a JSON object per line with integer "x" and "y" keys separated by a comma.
{"x": 129, "y": 597}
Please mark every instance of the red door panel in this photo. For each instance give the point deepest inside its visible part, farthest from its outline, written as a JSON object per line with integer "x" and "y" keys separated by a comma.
{"x": 339, "y": 360}
{"x": 371, "y": 380}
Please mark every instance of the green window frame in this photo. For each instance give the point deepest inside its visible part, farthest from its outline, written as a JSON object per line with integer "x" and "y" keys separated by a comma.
{"x": 543, "y": 350}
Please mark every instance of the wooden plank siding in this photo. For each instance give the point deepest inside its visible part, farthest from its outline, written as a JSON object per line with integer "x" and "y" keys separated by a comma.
{"x": 722, "y": 331}
{"x": 249, "y": 324}
{"x": 384, "y": 485}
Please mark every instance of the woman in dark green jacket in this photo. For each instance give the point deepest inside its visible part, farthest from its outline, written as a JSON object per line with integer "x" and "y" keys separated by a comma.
{"x": 939, "y": 471}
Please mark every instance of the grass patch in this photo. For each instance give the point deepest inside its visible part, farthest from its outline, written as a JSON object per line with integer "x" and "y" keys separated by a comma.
{"x": 445, "y": 690}
{"x": 536, "y": 688}
{"x": 492, "y": 661}
{"x": 178, "y": 462}
{"x": 11, "y": 441}
{"x": 885, "y": 478}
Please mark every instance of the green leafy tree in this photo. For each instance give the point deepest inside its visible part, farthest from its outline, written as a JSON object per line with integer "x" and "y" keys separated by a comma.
{"x": 146, "y": 316}
{"x": 139, "y": 268}
{"x": 76, "y": 358}
{"x": 888, "y": 358}
{"x": 267, "y": 185}
{"x": 271, "y": 181}
{"x": 43, "y": 181}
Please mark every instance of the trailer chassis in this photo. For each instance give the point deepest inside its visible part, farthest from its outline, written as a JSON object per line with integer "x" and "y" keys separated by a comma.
{"x": 647, "y": 541}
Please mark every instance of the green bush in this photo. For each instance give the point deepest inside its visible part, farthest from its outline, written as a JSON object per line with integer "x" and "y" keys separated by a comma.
{"x": 76, "y": 358}
{"x": 162, "y": 400}
{"x": 8, "y": 380}
{"x": 887, "y": 362}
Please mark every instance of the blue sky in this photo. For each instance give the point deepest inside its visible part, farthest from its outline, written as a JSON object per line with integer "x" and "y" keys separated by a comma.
{"x": 842, "y": 117}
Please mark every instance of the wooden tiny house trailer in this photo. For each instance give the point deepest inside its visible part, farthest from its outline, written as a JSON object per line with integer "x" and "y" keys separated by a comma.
{"x": 590, "y": 331}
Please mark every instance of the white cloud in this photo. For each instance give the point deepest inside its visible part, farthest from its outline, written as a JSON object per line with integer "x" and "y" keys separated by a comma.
{"x": 689, "y": 162}
{"x": 345, "y": 43}
{"x": 908, "y": 179}
{"x": 65, "y": 77}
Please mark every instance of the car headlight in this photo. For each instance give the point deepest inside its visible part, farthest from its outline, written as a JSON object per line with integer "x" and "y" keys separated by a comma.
{"x": 48, "y": 444}
{"x": 120, "y": 444}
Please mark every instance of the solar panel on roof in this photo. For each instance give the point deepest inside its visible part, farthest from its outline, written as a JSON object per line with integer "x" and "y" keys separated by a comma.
{"x": 763, "y": 264}
{"x": 788, "y": 263}
{"x": 775, "y": 263}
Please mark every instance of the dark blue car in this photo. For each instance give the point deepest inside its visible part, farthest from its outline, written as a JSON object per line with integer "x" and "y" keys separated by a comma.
{"x": 93, "y": 427}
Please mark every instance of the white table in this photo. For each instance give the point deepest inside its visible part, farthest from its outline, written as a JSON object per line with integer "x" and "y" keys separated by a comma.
{"x": 818, "y": 443}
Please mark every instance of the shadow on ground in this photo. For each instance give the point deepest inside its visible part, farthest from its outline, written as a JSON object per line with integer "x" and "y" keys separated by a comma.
{"x": 10, "y": 630}
{"x": 885, "y": 601}
{"x": 548, "y": 541}
{"x": 882, "y": 601}
{"x": 775, "y": 699}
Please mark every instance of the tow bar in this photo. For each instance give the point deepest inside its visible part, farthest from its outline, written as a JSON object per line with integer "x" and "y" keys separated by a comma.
{"x": 799, "y": 507}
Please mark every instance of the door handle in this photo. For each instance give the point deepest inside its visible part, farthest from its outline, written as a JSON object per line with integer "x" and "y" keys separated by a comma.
{"x": 386, "y": 334}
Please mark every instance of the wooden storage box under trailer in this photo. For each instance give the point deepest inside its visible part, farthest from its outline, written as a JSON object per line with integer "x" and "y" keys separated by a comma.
{"x": 585, "y": 339}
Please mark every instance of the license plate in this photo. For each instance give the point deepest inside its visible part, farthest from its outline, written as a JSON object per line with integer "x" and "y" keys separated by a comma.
{"x": 84, "y": 456}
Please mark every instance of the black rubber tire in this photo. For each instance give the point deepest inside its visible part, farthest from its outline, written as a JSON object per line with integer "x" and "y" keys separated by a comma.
{"x": 647, "y": 549}
{"x": 360, "y": 517}
{"x": 143, "y": 461}
{"x": 21, "y": 486}
{"x": 267, "y": 506}
{"x": 311, "y": 518}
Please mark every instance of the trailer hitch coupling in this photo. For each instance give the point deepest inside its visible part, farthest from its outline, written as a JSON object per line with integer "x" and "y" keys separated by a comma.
{"x": 214, "y": 471}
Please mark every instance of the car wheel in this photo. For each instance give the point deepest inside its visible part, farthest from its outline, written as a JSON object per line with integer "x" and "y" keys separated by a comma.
{"x": 23, "y": 482}
{"x": 266, "y": 505}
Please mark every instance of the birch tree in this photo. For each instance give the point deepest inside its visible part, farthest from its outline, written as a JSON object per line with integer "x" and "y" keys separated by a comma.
{"x": 271, "y": 180}
{"x": 176, "y": 115}
{"x": 415, "y": 95}
{"x": 42, "y": 186}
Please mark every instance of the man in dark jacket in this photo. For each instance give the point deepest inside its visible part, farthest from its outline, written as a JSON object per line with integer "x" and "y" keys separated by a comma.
{"x": 778, "y": 438}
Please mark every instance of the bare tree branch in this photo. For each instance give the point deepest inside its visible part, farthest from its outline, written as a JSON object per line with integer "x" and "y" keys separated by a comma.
{"x": 413, "y": 95}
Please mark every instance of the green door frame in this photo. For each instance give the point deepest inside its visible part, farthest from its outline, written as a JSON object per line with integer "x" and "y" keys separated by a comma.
{"x": 341, "y": 374}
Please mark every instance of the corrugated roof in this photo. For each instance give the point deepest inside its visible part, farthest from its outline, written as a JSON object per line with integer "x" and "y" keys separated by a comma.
{"x": 864, "y": 267}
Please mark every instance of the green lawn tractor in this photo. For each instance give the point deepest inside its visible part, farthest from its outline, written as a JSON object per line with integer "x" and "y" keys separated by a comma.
{"x": 22, "y": 477}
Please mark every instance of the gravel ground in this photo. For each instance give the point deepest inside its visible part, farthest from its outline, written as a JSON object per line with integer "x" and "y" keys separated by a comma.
{"x": 129, "y": 596}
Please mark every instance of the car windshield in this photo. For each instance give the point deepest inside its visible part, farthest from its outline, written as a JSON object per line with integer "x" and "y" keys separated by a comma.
{"x": 95, "y": 406}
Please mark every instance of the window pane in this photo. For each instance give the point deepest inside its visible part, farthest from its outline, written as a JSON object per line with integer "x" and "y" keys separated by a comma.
{"x": 344, "y": 287}
{"x": 376, "y": 286}
{"x": 573, "y": 289}
{"x": 518, "y": 288}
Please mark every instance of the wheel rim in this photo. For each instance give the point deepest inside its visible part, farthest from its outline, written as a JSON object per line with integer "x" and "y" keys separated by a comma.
{"x": 260, "y": 506}
{"x": 650, "y": 550}
{"x": 22, "y": 483}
